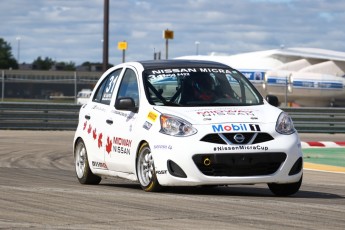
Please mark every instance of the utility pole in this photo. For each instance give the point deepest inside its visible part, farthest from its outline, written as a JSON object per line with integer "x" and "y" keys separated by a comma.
{"x": 106, "y": 36}
{"x": 18, "y": 49}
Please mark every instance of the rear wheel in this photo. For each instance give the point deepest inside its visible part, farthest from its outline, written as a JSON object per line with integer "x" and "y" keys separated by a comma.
{"x": 285, "y": 189}
{"x": 82, "y": 168}
{"x": 146, "y": 170}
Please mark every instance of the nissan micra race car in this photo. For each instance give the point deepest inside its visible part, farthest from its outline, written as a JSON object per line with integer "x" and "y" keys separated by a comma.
{"x": 185, "y": 123}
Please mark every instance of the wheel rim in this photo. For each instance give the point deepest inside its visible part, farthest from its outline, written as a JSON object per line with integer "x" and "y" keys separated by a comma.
{"x": 80, "y": 158}
{"x": 145, "y": 167}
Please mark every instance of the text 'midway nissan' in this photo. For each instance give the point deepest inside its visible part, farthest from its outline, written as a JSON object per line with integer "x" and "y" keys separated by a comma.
{"x": 185, "y": 123}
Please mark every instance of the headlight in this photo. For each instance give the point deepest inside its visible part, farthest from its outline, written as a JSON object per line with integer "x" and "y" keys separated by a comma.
{"x": 176, "y": 126}
{"x": 284, "y": 124}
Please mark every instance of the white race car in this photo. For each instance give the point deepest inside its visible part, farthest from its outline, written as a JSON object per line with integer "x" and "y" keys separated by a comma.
{"x": 185, "y": 123}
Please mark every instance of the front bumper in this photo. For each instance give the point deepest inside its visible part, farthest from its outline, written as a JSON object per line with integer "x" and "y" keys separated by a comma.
{"x": 202, "y": 163}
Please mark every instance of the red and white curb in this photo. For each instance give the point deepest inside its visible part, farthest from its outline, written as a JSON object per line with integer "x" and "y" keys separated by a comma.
{"x": 323, "y": 144}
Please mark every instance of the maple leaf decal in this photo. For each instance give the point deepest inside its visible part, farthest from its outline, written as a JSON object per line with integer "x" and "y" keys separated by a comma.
{"x": 100, "y": 140}
{"x": 94, "y": 134}
{"x": 85, "y": 123}
{"x": 89, "y": 129}
{"x": 108, "y": 146}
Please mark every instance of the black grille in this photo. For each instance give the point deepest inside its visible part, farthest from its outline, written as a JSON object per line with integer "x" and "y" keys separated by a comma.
{"x": 262, "y": 137}
{"x": 216, "y": 139}
{"x": 230, "y": 137}
{"x": 213, "y": 138}
{"x": 246, "y": 164}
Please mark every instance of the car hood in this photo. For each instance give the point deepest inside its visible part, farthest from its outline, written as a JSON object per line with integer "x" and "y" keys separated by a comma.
{"x": 210, "y": 115}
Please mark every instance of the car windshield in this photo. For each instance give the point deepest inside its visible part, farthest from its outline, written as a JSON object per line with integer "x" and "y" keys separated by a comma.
{"x": 199, "y": 87}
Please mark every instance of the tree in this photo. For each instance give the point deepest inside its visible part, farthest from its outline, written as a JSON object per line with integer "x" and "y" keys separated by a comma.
{"x": 70, "y": 66}
{"x": 40, "y": 64}
{"x": 92, "y": 66}
{"x": 7, "y": 61}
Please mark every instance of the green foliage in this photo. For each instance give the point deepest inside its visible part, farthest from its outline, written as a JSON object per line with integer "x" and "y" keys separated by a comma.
{"x": 49, "y": 64}
{"x": 65, "y": 66}
{"x": 42, "y": 64}
{"x": 7, "y": 61}
{"x": 92, "y": 66}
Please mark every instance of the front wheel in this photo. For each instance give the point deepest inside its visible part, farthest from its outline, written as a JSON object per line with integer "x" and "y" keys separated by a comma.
{"x": 146, "y": 170}
{"x": 82, "y": 168}
{"x": 285, "y": 189}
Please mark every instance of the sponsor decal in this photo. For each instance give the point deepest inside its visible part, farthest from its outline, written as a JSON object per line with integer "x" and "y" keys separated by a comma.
{"x": 161, "y": 172}
{"x": 159, "y": 75}
{"x": 121, "y": 149}
{"x": 186, "y": 70}
{"x": 277, "y": 80}
{"x": 208, "y": 70}
{"x": 122, "y": 145}
{"x": 147, "y": 125}
{"x": 231, "y": 112}
{"x": 162, "y": 147}
{"x": 106, "y": 97}
{"x": 99, "y": 165}
{"x": 235, "y": 127}
{"x": 96, "y": 107}
{"x": 317, "y": 84}
{"x": 120, "y": 113}
{"x": 254, "y": 127}
{"x": 241, "y": 147}
{"x": 253, "y": 75}
{"x": 116, "y": 144}
{"x": 152, "y": 116}
{"x": 122, "y": 141}
{"x": 191, "y": 70}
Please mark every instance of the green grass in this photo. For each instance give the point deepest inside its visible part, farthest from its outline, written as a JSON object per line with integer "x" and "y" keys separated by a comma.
{"x": 328, "y": 156}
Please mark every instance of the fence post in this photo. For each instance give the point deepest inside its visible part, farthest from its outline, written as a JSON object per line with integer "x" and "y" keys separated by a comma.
{"x": 3, "y": 85}
{"x": 75, "y": 87}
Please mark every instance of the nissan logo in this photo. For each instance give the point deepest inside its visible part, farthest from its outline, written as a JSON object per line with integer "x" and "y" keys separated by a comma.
{"x": 239, "y": 138}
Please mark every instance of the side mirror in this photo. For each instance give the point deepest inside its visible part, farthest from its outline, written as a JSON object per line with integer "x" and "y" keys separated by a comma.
{"x": 272, "y": 100}
{"x": 126, "y": 103}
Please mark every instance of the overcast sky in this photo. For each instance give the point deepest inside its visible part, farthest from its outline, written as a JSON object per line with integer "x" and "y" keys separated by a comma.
{"x": 72, "y": 30}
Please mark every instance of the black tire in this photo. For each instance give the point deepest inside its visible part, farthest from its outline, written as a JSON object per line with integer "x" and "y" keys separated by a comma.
{"x": 285, "y": 189}
{"x": 146, "y": 170}
{"x": 82, "y": 168}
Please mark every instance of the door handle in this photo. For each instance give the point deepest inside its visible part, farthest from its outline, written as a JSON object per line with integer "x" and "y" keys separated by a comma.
{"x": 109, "y": 122}
{"x": 87, "y": 117}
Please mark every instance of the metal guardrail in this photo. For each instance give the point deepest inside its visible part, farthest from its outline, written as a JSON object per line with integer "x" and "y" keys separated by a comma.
{"x": 53, "y": 116}
{"x": 38, "y": 116}
{"x": 318, "y": 120}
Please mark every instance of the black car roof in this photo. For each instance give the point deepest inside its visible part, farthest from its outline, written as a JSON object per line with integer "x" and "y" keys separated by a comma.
{"x": 180, "y": 63}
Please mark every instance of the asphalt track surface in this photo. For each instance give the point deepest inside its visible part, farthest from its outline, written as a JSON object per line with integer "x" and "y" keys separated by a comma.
{"x": 39, "y": 190}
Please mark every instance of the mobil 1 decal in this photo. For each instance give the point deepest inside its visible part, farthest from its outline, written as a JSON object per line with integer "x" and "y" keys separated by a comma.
{"x": 238, "y": 127}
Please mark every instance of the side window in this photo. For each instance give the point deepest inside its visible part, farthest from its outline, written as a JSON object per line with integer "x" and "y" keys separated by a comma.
{"x": 129, "y": 86}
{"x": 105, "y": 90}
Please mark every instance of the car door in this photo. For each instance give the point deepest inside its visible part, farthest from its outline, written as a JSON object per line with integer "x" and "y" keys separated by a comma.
{"x": 95, "y": 119}
{"x": 120, "y": 133}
